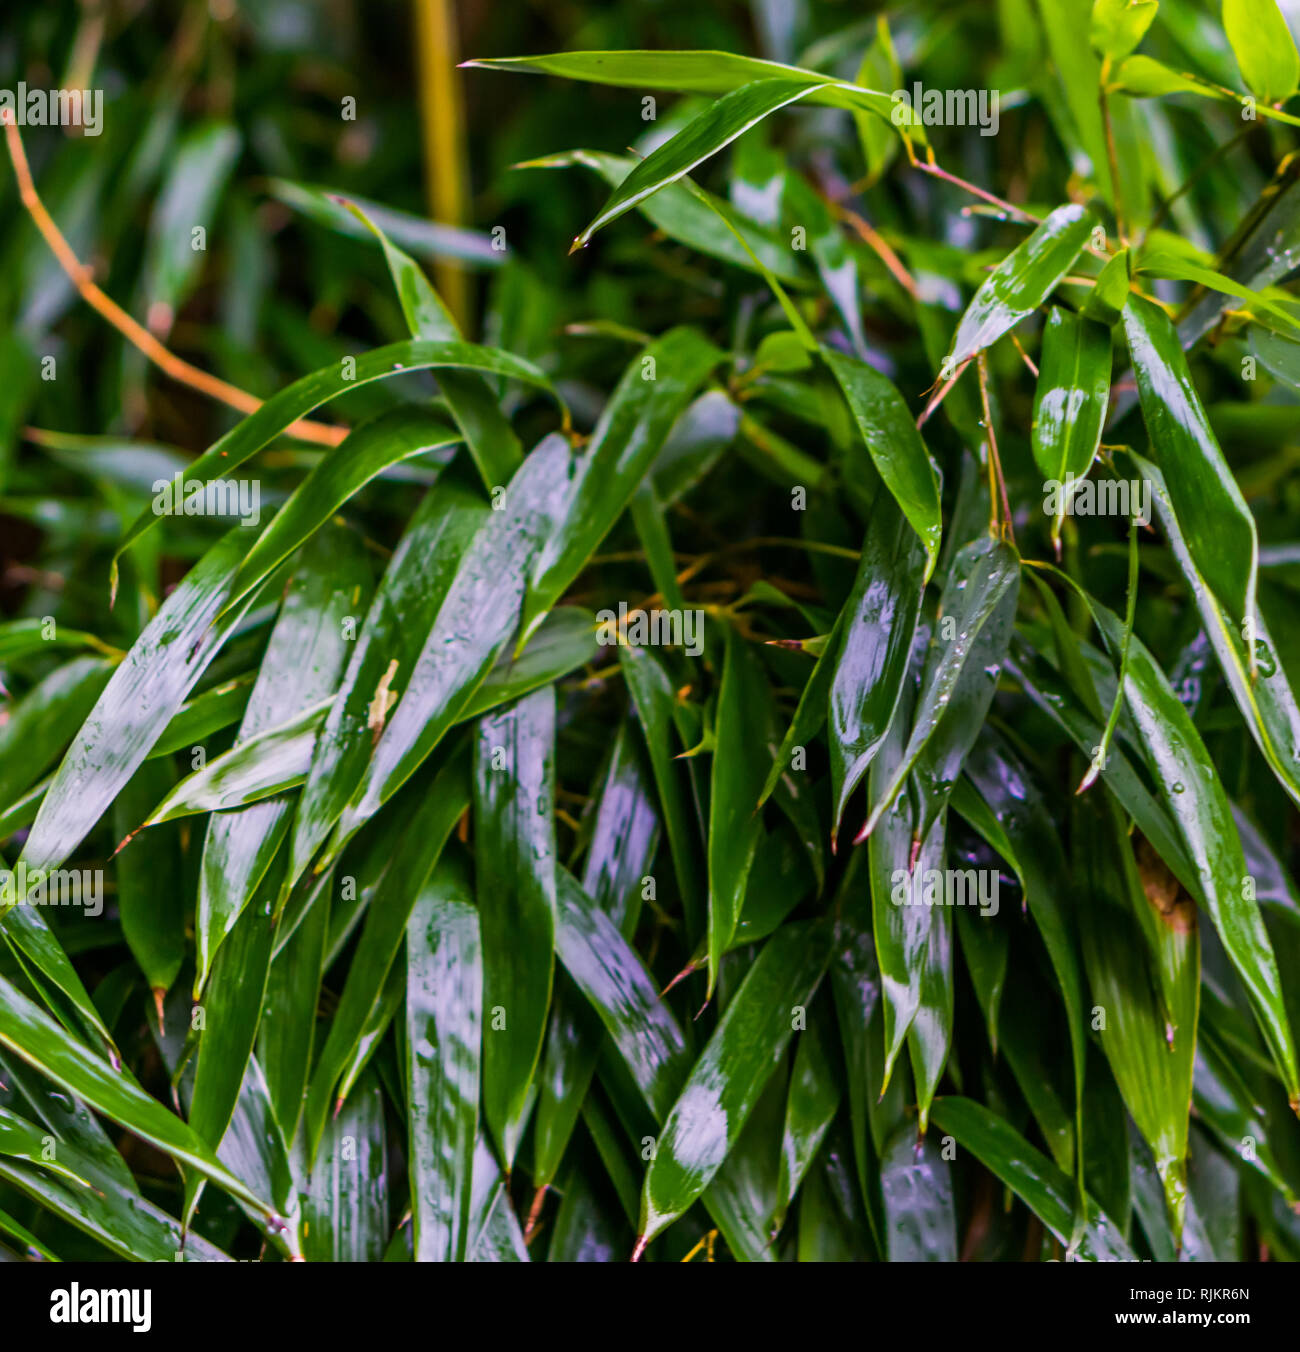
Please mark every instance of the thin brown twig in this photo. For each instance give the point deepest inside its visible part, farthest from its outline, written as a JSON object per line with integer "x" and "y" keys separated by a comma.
{"x": 939, "y": 398}
{"x": 322, "y": 434}
{"x": 935, "y": 171}
{"x": 997, "y": 484}
{"x": 880, "y": 246}
{"x": 1024, "y": 356}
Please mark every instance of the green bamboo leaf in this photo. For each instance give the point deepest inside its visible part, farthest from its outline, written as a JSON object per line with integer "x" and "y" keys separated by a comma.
{"x": 1212, "y": 514}
{"x": 514, "y": 839}
{"x": 816, "y": 1088}
{"x": 144, "y": 692}
{"x": 301, "y": 667}
{"x": 745, "y": 742}
{"x": 811, "y": 711}
{"x": 920, "y": 1212}
{"x": 1043, "y": 1188}
{"x": 197, "y": 719}
{"x": 444, "y": 988}
{"x": 487, "y": 431}
{"x": 695, "y": 73}
{"x": 1231, "y": 1110}
{"x": 1190, "y": 789}
{"x": 231, "y": 1012}
{"x": 400, "y": 434}
{"x": 311, "y": 391}
{"x": 22, "y": 638}
{"x": 1119, "y": 25}
{"x": 254, "y": 1149}
{"x": 618, "y": 860}
{"x": 432, "y": 807}
{"x": 35, "y": 1038}
{"x": 399, "y": 619}
{"x": 1018, "y": 823}
{"x": 43, "y": 721}
{"x": 433, "y": 240}
{"x": 856, "y": 985}
{"x": 1021, "y": 282}
{"x": 200, "y": 168}
{"x": 837, "y": 265}
{"x": 983, "y": 573}
{"x": 497, "y": 1237}
{"x": 564, "y": 641}
{"x": 939, "y": 764}
{"x": 1152, "y": 1062}
{"x": 1070, "y": 404}
{"x": 1162, "y": 263}
{"x": 901, "y": 921}
{"x": 23, "y": 1140}
{"x": 896, "y": 447}
{"x": 287, "y": 1033}
{"x": 654, "y": 701}
{"x": 132, "y": 1228}
{"x": 33, "y": 1246}
{"x": 1264, "y": 48}
{"x": 473, "y": 626}
{"x": 727, "y": 1079}
{"x": 151, "y": 899}
{"x": 653, "y": 392}
{"x": 1268, "y": 704}
{"x": 929, "y": 1034}
{"x": 265, "y": 764}
{"x": 607, "y": 970}
{"x": 69, "y": 1120}
{"x": 345, "y": 1209}
{"x": 680, "y": 215}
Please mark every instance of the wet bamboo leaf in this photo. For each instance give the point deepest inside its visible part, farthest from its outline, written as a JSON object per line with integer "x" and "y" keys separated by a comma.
{"x": 1268, "y": 703}
{"x": 814, "y": 1099}
{"x": 1212, "y": 515}
{"x": 982, "y": 575}
{"x": 444, "y": 986}
{"x": 473, "y": 626}
{"x": 492, "y": 442}
{"x": 1189, "y": 787}
{"x": 1070, "y": 403}
{"x": 896, "y": 447}
{"x": 1021, "y": 282}
{"x": 298, "y": 399}
{"x": 614, "y": 979}
{"x": 266, "y": 764}
{"x": 38, "y": 1040}
{"x": 514, "y": 856}
{"x": 652, "y": 393}
{"x": 681, "y": 216}
{"x": 400, "y": 617}
{"x": 920, "y": 1213}
{"x": 387, "y": 440}
{"x": 437, "y": 802}
{"x": 740, "y": 765}
{"x": 1043, "y": 1188}
{"x": 618, "y": 861}
{"x": 729, "y": 1075}
{"x": 303, "y": 660}
{"x": 1150, "y": 1052}
{"x": 150, "y": 895}
{"x": 43, "y": 721}
{"x": 345, "y": 1209}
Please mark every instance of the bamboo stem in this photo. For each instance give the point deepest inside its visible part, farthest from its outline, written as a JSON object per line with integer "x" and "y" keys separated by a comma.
{"x": 442, "y": 121}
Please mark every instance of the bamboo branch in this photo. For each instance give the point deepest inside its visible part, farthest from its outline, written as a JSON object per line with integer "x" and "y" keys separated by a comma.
{"x": 322, "y": 434}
